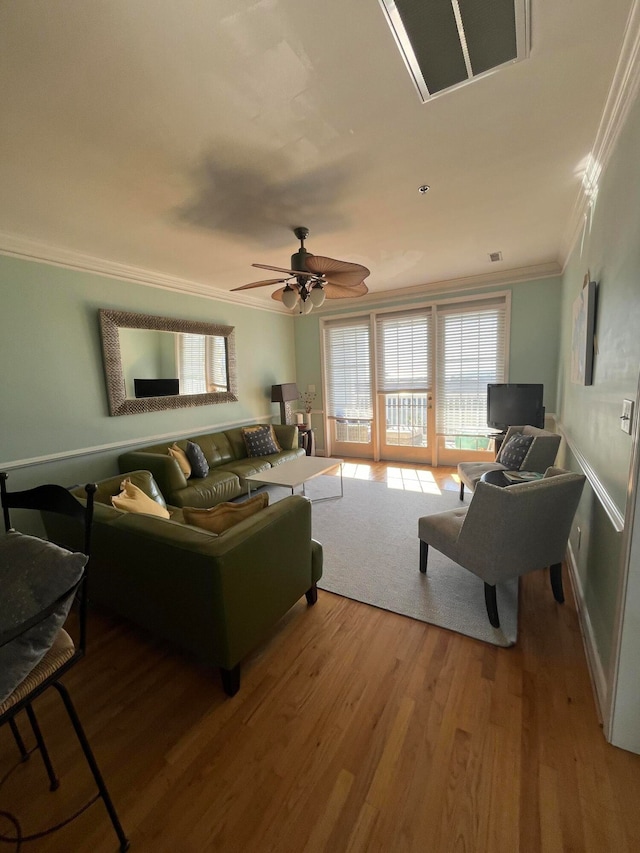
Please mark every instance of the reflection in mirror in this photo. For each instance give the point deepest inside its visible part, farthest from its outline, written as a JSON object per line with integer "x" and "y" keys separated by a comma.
{"x": 154, "y": 363}
{"x": 157, "y": 363}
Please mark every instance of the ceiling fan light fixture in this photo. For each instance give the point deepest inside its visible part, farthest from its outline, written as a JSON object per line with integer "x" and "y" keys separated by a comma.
{"x": 306, "y": 307}
{"x": 317, "y": 295}
{"x": 289, "y": 297}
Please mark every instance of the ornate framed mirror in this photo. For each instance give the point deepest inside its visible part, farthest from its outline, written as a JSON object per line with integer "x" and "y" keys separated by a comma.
{"x": 156, "y": 363}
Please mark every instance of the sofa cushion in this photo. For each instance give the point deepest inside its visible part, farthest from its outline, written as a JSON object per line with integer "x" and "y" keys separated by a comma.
{"x": 219, "y": 518}
{"x": 133, "y": 499}
{"x": 199, "y": 464}
{"x": 218, "y": 486}
{"x": 260, "y": 440}
{"x": 34, "y": 574}
{"x": 181, "y": 458}
{"x": 512, "y": 455}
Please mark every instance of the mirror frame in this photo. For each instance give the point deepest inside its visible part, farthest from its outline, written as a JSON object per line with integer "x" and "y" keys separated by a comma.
{"x": 119, "y": 404}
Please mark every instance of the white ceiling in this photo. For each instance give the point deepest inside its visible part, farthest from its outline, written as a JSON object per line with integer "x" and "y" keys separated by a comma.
{"x": 185, "y": 138}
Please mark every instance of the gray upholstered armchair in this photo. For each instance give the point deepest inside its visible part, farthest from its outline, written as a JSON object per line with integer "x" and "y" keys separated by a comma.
{"x": 507, "y": 532}
{"x": 541, "y": 454}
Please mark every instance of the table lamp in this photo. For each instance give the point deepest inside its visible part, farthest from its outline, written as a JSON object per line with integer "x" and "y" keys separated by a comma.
{"x": 285, "y": 394}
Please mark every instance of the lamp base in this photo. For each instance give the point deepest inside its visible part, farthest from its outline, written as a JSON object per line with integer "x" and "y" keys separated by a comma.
{"x": 286, "y": 414}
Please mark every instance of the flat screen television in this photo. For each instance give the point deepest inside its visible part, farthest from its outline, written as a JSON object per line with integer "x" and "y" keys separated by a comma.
{"x": 156, "y": 387}
{"x": 514, "y": 403}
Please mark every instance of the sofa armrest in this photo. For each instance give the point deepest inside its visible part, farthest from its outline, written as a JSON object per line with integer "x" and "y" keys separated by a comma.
{"x": 166, "y": 471}
{"x": 287, "y": 435}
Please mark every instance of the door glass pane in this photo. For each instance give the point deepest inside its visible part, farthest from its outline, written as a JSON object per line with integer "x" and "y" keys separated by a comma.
{"x": 406, "y": 419}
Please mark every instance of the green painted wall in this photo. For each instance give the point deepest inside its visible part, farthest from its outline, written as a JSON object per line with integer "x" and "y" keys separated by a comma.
{"x": 53, "y": 388}
{"x": 534, "y": 345}
{"x": 610, "y": 249}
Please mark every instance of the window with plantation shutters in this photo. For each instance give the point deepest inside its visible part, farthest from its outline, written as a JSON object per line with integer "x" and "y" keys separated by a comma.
{"x": 347, "y": 353}
{"x": 470, "y": 354}
{"x": 202, "y": 364}
{"x": 403, "y": 346}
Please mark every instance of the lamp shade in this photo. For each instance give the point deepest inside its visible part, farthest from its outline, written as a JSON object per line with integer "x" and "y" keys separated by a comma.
{"x": 284, "y": 393}
{"x": 289, "y": 297}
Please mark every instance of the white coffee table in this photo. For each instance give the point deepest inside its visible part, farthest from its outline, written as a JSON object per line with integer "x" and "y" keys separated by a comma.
{"x": 296, "y": 473}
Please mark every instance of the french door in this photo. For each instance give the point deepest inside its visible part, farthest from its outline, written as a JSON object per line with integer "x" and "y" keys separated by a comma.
{"x": 411, "y": 385}
{"x": 404, "y": 396}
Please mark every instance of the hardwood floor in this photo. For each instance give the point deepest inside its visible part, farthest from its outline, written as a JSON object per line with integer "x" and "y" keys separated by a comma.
{"x": 354, "y": 729}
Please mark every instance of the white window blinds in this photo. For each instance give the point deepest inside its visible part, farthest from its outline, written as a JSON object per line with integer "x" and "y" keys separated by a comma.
{"x": 202, "y": 364}
{"x": 471, "y": 354}
{"x": 403, "y": 351}
{"x": 347, "y": 353}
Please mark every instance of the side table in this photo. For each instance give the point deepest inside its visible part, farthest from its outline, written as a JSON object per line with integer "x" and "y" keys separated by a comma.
{"x": 307, "y": 440}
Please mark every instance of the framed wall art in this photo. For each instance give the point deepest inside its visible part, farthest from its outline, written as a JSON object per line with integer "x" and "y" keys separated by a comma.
{"x": 582, "y": 340}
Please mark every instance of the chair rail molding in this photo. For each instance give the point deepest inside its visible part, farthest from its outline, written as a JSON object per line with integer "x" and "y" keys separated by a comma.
{"x": 614, "y": 514}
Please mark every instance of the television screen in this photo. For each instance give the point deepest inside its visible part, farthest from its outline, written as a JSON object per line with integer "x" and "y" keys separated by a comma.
{"x": 156, "y": 387}
{"x": 512, "y": 403}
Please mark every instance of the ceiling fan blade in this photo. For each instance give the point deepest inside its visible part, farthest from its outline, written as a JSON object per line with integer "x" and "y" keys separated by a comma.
{"x": 344, "y": 279}
{"x": 277, "y": 294}
{"x": 329, "y": 267}
{"x": 336, "y": 291}
{"x": 259, "y": 283}
{"x": 280, "y": 269}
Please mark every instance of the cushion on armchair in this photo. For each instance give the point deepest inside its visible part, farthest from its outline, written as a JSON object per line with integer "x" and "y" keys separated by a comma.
{"x": 34, "y": 573}
{"x": 513, "y": 454}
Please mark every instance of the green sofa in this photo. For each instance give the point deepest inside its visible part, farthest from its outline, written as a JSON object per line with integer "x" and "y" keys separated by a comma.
{"x": 228, "y": 465}
{"x": 217, "y": 597}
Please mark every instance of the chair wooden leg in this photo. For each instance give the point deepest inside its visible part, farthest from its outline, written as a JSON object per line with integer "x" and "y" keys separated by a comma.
{"x": 93, "y": 765}
{"x": 54, "y": 783}
{"x": 555, "y": 573}
{"x": 312, "y": 594}
{"x": 424, "y": 550}
{"x": 492, "y": 604}
{"x": 24, "y": 752}
{"x": 231, "y": 679}
{"x": 461, "y": 490}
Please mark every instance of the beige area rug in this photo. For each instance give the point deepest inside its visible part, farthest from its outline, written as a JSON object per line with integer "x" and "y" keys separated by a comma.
{"x": 371, "y": 547}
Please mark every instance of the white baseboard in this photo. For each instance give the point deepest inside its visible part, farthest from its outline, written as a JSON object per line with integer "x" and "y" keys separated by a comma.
{"x": 596, "y": 670}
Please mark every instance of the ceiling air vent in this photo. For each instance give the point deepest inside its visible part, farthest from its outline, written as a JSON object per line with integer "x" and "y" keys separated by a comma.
{"x": 495, "y": 256}
{"x": 448, "y": 43}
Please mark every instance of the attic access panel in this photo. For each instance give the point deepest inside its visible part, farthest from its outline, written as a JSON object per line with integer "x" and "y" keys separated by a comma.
{"x": 447, "y": 43}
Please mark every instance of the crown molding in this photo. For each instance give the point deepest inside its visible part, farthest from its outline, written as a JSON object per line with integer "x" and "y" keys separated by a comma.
{"x": 497, "y": 279}
{"x": 25, "y": 248}
{"x": 622, "y": 93}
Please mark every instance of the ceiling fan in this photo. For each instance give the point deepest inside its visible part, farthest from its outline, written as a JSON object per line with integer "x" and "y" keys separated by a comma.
{"x": 312, "y": 278}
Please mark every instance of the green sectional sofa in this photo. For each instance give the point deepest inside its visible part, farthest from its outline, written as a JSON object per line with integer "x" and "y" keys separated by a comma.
{"x": 216, "y": 597}
{"x": 228, "y": 465}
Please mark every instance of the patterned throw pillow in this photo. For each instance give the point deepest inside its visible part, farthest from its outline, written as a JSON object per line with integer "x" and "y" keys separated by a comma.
{"x": 181, "y": 458}
{"x": 514, "y": 451}
{"x": 260, "y": 440}
{"x": 197, "y": 459}
{"x": 219, "y": 518}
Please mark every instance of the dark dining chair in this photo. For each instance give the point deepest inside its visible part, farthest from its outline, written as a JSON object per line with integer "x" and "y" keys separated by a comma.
{"x": 35, "y": 649}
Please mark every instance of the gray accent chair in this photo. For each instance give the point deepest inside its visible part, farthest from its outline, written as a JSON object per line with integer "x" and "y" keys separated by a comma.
{"x": 508, "y": 531}
{"x": 541, "y": 454}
